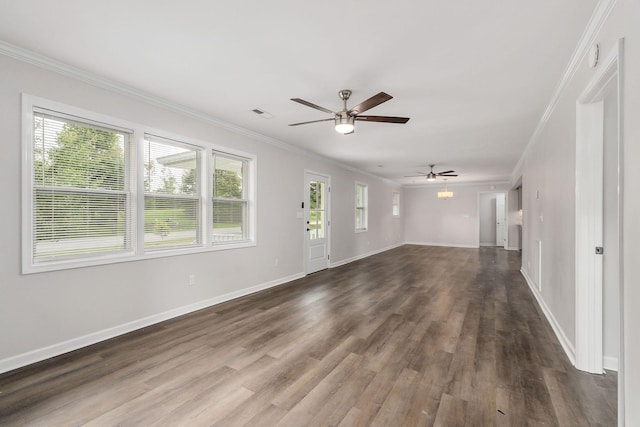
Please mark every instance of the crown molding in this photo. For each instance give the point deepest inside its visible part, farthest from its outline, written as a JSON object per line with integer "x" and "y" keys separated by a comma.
{"x": 598, "y": 18}
{"x": 440, "y": 184}
{"x": 42, "y": 61}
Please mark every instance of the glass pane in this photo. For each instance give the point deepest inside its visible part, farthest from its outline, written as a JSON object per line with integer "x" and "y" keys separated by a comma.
{"x": 320, "y": 196}
{"x": 76, "y": 155}
{"x": 313, "y": 224}
{"x": 313, "y": 194}
{"x": 169, "y": 169}
{"x": 320, "y": 224}
{"x": 68, "y": 223}
{"x": 359, "y": 218}
{"x": 228, "y": 220}
{"x": 359, "y": 195}
{"x": 170, "y": 222}
{"x": 227, "y": 178}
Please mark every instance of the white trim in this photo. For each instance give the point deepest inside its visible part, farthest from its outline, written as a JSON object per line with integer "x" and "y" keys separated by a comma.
{"x": 598, "y": 18}
{"x": 611, "y": 363}
{"x": 365, "y": 255}
{"x": 557, "y": 329}
{"x": 459, "y": 184}
{"x": 589, "y": 213}
{"x": 446, "y": 245}
{"x": 513, "y": 248}
{"x": 57, "y": 349}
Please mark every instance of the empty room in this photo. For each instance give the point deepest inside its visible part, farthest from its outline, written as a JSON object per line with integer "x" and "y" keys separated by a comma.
{"x": 333, "y": 214}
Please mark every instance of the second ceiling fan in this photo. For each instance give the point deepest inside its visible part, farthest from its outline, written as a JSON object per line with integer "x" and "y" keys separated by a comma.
{"x": 431, "y": 176}
{"x": 345, "y": 119}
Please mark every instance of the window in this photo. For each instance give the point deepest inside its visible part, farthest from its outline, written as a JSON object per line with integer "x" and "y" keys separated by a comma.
{"x": 81, "y": 189}
{"x": 361, "y": 207}
{"x": 99, "y": 190}
{"x": 171, "y": 194}
{"x": 230, "y": 201}
{"x": 395, "y": 211}
{"x": 317, "y": 210}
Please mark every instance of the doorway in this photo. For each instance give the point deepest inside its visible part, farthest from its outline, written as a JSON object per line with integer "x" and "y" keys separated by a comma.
{"x": 317, "y": 221}
{"x": 598, "y": 221}
{"x": 492, "y": 219}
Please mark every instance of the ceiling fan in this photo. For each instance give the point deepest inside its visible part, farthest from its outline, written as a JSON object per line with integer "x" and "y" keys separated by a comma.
{"x": 431, "y": 176}
{"x": 344, "y": 119}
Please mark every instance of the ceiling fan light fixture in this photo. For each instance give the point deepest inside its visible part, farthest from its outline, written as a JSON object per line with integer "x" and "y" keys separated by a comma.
{"x": 344, "y": 124}
{"x": 431, "y": 176}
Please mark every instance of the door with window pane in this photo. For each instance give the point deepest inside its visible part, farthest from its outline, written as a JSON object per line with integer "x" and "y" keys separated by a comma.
{"x": 317, "y": 222}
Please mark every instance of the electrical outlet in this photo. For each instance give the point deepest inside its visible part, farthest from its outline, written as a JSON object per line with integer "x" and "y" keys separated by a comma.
{"x": 192, "y": 279}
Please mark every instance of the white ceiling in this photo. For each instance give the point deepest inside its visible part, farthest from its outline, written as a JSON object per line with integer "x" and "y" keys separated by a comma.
{"x": 473, "y": 76}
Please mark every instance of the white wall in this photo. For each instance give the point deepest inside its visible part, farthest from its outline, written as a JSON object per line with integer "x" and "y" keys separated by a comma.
{"x": 46, "y": 313}
{"x": 452, "y": 222}
{"x": 629, "y": 28}
{"x": 549, "y": 169}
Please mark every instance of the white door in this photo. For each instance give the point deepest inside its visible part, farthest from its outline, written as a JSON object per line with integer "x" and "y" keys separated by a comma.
{"x": 316, "y": 222}
{"x": 501, "y": 221}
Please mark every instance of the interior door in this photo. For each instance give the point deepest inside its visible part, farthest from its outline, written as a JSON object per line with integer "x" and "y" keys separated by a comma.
{"x": 316, "y": 222}
{"x": 501, "y": 220}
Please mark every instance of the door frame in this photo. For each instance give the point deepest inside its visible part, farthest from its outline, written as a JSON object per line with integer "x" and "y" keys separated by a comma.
{"x": 589, "y": 355}
{"x": 305, "y": 213}
{"x": 506, "y": 217}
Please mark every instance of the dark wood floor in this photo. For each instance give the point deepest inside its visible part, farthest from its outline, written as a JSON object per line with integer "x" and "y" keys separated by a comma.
{"x": 413, "y": 336}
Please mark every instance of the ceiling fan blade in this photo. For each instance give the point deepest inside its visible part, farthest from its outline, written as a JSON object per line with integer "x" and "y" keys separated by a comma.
{"x": 414, "y": 176}
{"x": 385, "y": 119}
{"x": 444, "y": 173}
{"x": 447, "y": 174}
{"x": 370, "y": 103}
{"x": 309, "y": 104}
{"x": 312, "y": 121}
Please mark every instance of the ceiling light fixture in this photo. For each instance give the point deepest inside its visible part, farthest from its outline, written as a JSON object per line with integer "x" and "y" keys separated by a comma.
{"x": 344, "y": 123}
{"x": 445, "y": 194}
{"x": 431, "y": 176}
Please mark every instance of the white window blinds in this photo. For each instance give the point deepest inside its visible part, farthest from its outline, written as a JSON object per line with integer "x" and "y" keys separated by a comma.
{"x": 230, "y": 198}
{"x": 172, "y": 197}
{"x": 81, "y": 189}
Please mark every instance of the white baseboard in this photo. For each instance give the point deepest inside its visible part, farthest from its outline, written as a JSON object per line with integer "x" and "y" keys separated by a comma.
{"x": 610, "y": 363}
{"x": 447, "y": 245}
{"x": 57, "y": 349}
{"x": 365, "y": 255}
{"x": 488, "y": 244}
{"x": 512, "y": 248}
{"x": 564, "y": 341}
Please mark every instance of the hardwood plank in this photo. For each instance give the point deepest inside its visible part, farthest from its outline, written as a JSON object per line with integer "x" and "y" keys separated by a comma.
{"x": 416, "y": 335}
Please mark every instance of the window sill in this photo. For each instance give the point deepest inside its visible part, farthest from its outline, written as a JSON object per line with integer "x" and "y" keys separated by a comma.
{"x": 119, "y": 258}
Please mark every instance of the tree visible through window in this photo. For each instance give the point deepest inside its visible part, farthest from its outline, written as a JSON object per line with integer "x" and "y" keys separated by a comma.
{"x": 230, "y": 203}
{"x": 94, "y": 194}
{"x": 80, "y": 194}
{"x": 171, "y": 201}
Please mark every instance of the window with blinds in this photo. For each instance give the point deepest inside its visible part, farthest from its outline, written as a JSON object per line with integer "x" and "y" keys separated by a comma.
{"x": 81, "y": 189}
{"x": 99, "y": 190}
{"x": 361, "y": 207}
{"x": 395, "y": 204}
{"x": 230, "y": 198}
{"x": 171, "y": 194}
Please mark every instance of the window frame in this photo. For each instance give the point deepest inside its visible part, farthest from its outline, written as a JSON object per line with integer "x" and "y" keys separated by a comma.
{"x": 364, "y": 207}
{"x": 395, "y": 204}
{"x": 135, "y": 155}
{"x": 247, "y": 186}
